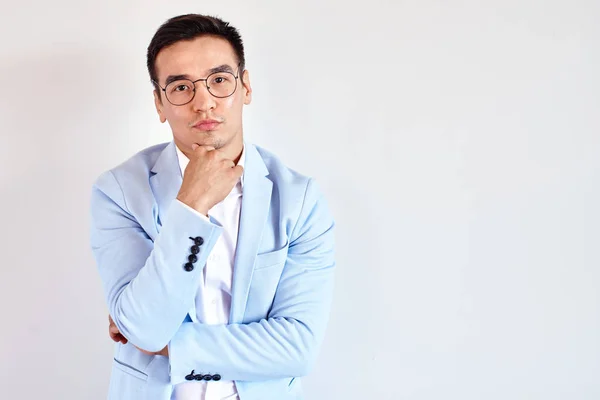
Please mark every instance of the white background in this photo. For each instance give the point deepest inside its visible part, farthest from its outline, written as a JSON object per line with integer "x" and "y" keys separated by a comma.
{"x": 457, "y": 143}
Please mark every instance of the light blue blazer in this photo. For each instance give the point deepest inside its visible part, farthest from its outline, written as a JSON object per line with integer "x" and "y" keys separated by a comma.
{"x": 141, "y": 238}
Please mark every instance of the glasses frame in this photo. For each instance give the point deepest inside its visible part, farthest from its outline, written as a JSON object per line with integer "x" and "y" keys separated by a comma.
{"x": 205, "y": 80}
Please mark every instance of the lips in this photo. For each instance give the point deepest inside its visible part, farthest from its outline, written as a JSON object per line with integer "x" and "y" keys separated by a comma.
{"x": 207, "y": 125}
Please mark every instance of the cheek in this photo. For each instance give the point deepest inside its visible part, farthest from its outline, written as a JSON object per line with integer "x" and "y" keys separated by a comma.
{"x": 229, "y": 103}
{"x": 230, "y": 108}
{"x": 178, "y": 115}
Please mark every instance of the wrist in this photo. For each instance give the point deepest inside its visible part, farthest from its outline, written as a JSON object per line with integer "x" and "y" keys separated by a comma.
{"x": 199, "y": 206}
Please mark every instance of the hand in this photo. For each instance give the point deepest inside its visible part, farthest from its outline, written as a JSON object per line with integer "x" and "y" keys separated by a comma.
{"x": 114, "y": 332}
{"x": 208, "y": 178}
{"x": 116, "y": 335}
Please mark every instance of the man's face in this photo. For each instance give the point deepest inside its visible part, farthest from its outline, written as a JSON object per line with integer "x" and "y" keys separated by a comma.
{"x": 194, "y": 122}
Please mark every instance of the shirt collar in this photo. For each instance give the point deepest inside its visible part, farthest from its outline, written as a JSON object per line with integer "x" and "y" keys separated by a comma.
{"x": 184, "y": 161}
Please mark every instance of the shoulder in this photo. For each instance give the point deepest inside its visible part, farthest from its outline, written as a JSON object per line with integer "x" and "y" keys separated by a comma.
{"x": 292, "y": 186}
{"x": 279, "y": 172}
{"x": 302, "y": 204}
{"x": 140, "y": 163}
{"x": 132, "y": 171}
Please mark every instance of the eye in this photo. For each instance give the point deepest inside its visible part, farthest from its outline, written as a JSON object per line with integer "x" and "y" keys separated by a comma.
{"x": 181, "y": 88}
{"x": 219, "y": 80}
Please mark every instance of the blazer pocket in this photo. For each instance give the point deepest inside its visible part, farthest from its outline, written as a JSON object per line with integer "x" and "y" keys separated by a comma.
{"x": 128, "y": 369}
{"x": 272, "y": 258}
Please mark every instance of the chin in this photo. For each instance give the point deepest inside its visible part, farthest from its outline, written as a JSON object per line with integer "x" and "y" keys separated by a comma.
{"x": 215, "y": 141}
{"x": 212, "y": 141}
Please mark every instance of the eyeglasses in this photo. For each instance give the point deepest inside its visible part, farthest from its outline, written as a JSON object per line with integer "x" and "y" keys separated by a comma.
{"x": 218, "y": 84}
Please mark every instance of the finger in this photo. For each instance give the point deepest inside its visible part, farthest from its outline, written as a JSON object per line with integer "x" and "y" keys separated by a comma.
{"x": 238, "y": 170}
{"x": 227, "y": 163}
{"x": 116, "y": 337}
{"x": 114, "y": 333}
{"x": 204, "y": 149}
{"x": 209, "y": 151}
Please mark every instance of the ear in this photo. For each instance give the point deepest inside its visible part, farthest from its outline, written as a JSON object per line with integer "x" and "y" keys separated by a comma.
{"x": 247, "y": 89}
{"x": 159, "y": 106}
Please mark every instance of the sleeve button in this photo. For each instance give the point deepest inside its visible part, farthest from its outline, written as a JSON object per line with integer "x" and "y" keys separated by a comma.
{"x": 189, "y": 267}
{"x": 190, "y": 377}
{"x": 198, "y": 240}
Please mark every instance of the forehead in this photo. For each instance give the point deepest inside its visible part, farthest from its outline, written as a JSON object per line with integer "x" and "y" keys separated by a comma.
{"x": 194, "y": 57}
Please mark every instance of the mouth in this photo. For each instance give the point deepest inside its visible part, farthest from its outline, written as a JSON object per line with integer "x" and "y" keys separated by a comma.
{"x": 207, "y": 125}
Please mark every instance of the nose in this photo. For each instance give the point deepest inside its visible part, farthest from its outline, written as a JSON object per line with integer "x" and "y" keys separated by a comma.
{"x": 203, "y": 100}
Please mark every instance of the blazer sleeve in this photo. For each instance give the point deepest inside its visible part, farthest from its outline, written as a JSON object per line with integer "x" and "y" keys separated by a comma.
{"x": 286, "y": 343}
{"x": 147, "y": 288}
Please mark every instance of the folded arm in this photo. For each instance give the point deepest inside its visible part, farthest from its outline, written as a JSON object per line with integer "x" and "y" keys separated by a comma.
{"x": 147, "y": 288}
{"x": 285, "y": 343}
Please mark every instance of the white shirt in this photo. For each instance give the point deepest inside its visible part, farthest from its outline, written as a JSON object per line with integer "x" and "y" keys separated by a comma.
{"x": 213, "y": 299}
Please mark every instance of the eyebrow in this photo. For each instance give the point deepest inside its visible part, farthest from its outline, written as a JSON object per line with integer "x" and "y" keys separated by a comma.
{"x": 173, "y": 78}
{"x": 220, "y": 68}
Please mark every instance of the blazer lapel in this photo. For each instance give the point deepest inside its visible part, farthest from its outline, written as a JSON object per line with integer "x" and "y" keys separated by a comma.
{"x": 256, "y": 199}
{"x": 165, "y": 181}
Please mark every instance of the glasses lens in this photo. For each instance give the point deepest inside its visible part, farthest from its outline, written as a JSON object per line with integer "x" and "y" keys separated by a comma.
{"x": 180, "y": 92}
{"x": 221, "y": 84}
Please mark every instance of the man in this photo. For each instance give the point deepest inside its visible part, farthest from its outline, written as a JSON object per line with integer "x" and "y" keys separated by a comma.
{"x": 217, "y": 261}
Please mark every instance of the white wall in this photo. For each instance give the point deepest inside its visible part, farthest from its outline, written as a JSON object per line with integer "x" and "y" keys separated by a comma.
{"x": 457, "y": 143}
